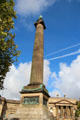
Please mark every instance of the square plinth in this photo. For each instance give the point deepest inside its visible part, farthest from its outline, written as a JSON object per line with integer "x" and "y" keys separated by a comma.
{"x": 36, "y": 94}
{"x": 34, "y": 99}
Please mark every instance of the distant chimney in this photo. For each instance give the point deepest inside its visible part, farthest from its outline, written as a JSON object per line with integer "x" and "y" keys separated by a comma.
{"x": 57, "y": 95}
{"x": 64, "y": 96}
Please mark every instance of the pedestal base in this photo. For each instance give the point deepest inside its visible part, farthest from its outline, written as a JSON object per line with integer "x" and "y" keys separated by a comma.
{"x": 33, "y": 104}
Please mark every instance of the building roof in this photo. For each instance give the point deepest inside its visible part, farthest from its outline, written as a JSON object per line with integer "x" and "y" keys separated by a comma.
{"x": 57, "y": 100}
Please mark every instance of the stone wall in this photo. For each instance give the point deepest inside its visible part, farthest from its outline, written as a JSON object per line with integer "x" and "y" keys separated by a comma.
{"x": 10, "y": 107}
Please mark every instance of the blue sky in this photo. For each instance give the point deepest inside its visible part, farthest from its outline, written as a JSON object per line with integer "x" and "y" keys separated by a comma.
{"x": 62, "y": 20}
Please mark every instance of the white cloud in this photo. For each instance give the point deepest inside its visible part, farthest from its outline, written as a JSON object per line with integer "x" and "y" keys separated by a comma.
{"x": 47, "y": 72}
{"x": 32, "y": 7}
{"x": 68, "y": 79}
{"x": 19, "y": 77}
{"x": 16, "y": 79}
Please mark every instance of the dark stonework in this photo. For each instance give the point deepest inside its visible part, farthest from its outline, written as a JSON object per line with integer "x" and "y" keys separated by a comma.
{"x": 31, "y": 100}
{"x": 44, "y": 101}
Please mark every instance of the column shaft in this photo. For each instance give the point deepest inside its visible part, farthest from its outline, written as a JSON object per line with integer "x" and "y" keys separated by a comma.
{"x": 37, "y": 60}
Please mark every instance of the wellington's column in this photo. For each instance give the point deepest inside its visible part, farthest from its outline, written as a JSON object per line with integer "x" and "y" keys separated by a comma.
{"x": 37, "y": 60}
{"x": 34, "y": 96}
{"x": 35, "y": 91}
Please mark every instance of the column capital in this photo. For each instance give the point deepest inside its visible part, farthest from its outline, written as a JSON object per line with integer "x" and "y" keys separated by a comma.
{"x": 40, "y": 21}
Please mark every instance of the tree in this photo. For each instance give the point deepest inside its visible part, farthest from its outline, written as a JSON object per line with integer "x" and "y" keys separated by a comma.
{"x": 77, "y": 114}
{"x": 8, "y": 48}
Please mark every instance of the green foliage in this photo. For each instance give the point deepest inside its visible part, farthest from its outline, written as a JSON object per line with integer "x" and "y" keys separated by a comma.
{"x": 8, "y": 48}
{"x": 77, "y": 114}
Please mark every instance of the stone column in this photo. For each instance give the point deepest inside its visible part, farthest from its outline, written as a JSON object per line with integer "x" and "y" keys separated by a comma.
{"x": 62, "y": 115}
{"x": 72, "y": 113}
{"x": 37, "y": 60}
{"x": 54, "y": 111}
{"x": 68, "y": 112}
{"x": 57, "y": 115}
{"x": 63, "y": 112}
{"x": 59, "y": 111}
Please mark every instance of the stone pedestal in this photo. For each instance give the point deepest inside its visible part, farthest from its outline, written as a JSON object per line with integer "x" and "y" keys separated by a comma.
{"x": 33, "y": 105}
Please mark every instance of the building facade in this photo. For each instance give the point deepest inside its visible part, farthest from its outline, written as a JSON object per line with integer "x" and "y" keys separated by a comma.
{"x": 61, "y": 108}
